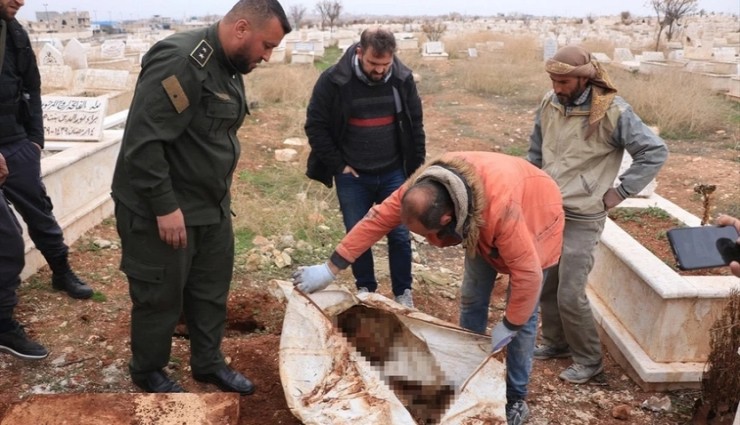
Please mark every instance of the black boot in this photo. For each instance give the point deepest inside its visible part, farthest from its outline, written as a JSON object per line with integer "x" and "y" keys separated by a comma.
{"x": 64, "y": 279}
{"x": 70, "y": 283}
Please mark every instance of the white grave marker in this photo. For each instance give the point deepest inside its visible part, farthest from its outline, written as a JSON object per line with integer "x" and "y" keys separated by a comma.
{"x": 73, "y": 118}
{"x": 101, "y": 79}
{"x": 56, "y": 76}
{"x": 304, "y": 47}
{"x": 622, "y": 54}
{"x": 434, "y": 48}
{"x": 112, "y": 49}
{"x": 653, "y": 57}
{"x": 601, "y": 57}
{"x": 50, "y": 55}
{"x": 551, "y": 46}
{"x": 75, "y": 54}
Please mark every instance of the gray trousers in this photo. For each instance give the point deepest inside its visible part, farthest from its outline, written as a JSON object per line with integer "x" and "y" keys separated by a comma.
{"x": 567, "y": 320}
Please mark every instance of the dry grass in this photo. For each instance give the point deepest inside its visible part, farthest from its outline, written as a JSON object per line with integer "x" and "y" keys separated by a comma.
{"x": 279, "y": 200}
{"x": 516, "y": 71}
{"x": 677, "y": 102}
{"x": 288, "y": 84}
{"x": 602, "y": 46}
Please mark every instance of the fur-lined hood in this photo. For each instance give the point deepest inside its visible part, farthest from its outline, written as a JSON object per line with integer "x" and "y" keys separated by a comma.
{"x": 476, "y": 199}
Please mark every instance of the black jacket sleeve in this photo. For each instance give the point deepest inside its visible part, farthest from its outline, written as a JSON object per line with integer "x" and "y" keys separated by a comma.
{"x": 31, "y": 85}
{"x": 325, "y": 159}
{"x": 418, "y": 137}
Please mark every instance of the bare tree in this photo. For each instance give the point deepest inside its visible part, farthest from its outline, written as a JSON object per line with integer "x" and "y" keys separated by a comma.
{"x": 626, "y": 17}
{"x": 329, "y": 11}
{"x": 433, "y": 30}
{"x": 297, "y": 11}
{"x": 334, "y": 11}
{"x": 669, "y": 13}
{"x": 323, "y": 8}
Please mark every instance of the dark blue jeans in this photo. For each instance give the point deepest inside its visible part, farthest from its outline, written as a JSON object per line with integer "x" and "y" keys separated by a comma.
{"x": 27, "y": 193}
{"x": 356, "y": 196}
{"x": 12, "y": 258}
{"x": 477, "y": 286}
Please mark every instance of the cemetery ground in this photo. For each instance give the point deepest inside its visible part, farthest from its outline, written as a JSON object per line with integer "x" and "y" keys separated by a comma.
{"x": 277, "y": 208}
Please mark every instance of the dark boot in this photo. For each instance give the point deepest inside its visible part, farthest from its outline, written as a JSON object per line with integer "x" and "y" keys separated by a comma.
{"x": 71, "y": 284}
{"x": 64, "y": 279}
{"x": 156, "y": 382}
{"x": 227, "y": 380}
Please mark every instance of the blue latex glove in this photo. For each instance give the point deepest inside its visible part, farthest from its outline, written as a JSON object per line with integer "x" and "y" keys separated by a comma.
{"x": 501, "y": 337}
{"x": 313, "y": 278}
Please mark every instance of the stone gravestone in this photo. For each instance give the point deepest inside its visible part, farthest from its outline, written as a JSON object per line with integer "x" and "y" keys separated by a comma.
{"x": 622, "y": 54}
{"x": 676, "y": 55}
{"x": 135, "y": 49}
{"x": 344, "y": 43}
{"x": 101, "y": 79}
{"x": 136, "y": 45}
{"x": 406, "y": 41}
{"x": 55, "y": 42}
{"x": 601, "y": 57}
{"x": 73, "y": 118}
{"x": 698, "y": 53}
{"x": 75, "y": 55}
{"x": 653, "y": 57}
{"x": 724, "y": 54}
{"x": 550, "y": 47}
{"x": 303, "y": 52}
{"x": 112, "y": 49}
{"x": 56, "y": 77}
{"x": 304, "y": 46}
{"x": 434, "y": 50}
{"x": 50, "y": 55}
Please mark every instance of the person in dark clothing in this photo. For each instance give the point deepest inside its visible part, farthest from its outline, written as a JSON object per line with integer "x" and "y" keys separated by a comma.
{"x": 365, "y": 127}
{"x": 13, "y": 338}
{"x": 21, "y": 142}
{"x": 171, "y": 188}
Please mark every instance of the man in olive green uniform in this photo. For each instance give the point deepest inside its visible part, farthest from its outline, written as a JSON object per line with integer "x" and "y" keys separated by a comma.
{"x": 171, "y": 186}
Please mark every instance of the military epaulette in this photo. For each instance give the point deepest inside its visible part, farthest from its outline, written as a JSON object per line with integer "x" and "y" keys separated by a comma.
{"x": 202, "y": 53}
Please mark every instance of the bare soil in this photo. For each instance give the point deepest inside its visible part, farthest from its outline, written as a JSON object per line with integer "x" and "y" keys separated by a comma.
{"x": 89, "y": 340}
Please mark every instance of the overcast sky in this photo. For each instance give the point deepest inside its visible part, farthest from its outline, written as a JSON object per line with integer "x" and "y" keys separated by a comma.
{"x": 118, "y": 9}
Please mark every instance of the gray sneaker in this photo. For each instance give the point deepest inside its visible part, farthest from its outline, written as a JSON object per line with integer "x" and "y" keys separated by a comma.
{"x": 362, "y": 290}
{"x": 517, "y": 412}
{"x": 405, "y": 299}
{"x": 544, "y": 352}
{"x": 580, "y": 374}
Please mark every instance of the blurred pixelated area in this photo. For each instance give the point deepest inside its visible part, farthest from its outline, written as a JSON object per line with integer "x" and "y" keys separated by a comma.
{"x": 404, "y": 361}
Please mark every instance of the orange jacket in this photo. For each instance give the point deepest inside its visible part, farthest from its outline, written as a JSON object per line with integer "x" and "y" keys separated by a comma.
{"x": 521, "y": 222}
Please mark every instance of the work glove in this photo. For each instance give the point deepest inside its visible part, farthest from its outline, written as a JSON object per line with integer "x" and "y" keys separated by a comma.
{"x": 313, "y": 278}
{"x": 501, "y": 337}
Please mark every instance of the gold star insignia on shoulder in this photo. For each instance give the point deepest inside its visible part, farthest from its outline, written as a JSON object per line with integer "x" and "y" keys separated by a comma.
{"x": 202, "y": 53}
